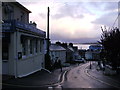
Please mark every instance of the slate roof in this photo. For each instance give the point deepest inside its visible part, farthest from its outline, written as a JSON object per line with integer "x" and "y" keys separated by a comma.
{"x": 54, "y": 47}
{"x": 71, "y": 49}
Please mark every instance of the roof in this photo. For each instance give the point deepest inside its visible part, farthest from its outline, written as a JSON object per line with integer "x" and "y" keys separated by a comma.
{"x": 71, "y": 49}
{"x": 54, "y": 47}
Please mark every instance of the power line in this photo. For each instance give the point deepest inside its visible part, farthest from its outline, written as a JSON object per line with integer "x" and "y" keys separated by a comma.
{"x": 115, "y": 20}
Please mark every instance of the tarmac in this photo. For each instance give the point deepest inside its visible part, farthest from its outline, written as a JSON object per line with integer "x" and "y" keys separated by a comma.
{"x": 107, "y": 73}
{"x": 39, "y": 79}
{"x": 44, "y": 78}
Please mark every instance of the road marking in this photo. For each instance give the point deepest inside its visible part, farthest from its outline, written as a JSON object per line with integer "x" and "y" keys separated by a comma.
{"x": 89, "y": 87}
{"x": 86, "y": 71}
{"x": 50, "y": 88}
{"x": 47, "y": 85}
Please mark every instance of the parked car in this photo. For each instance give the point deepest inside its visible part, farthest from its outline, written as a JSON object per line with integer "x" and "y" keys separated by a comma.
{"x": 80, "y": 60}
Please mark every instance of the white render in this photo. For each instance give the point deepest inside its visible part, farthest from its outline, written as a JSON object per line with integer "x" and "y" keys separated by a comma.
{"x": 58, "y": 51}
{"x": 28, "y": 63}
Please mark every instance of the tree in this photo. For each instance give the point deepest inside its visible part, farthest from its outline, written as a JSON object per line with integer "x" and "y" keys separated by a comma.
{"x": 110, "y": 42}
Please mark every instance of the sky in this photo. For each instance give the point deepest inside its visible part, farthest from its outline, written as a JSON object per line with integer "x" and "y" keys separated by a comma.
{"x": 74, "y": 21}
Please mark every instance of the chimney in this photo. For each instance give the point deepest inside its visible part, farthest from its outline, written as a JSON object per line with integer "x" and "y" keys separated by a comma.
{"x": 33, "y": 24}
{"x": 71, "y": 44}
{"x": 58, "y": 43}
{"x": 64, "y": 45}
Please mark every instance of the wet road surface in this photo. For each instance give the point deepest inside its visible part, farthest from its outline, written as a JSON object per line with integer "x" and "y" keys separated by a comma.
{"x": 83, "y": 77}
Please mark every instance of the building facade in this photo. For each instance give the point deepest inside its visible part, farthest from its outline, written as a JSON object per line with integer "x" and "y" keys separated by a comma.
{"x": 57, "y": 51}
{"x": 22, "y": 42}
{"x": 0, "y": 39}
{"x": 119, "y": 14}
{"x": 92, "y": 55}
{"x": 96, "y": 47}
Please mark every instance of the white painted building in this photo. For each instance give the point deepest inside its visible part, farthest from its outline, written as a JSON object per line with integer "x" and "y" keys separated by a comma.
{"x": 0, "y": 40}
{"x": 57, "y": 51}
{"x": 119, "y": 14}
{"x": 22, "y": 42}
{"x": 88, "y": 55}
{"x": 94, "y": 55}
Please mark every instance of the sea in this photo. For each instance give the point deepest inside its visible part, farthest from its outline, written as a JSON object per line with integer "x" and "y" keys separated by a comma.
{"x": 82, "y": 46}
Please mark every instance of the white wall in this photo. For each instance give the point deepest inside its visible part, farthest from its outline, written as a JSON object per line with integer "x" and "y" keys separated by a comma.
{"x": 26, "y": 65}
{"x": 0, "y": 40}
{"x": 119, "y": 15}
{"x": 88, "y": 55}
{"x": 30, "y": 63}
{"x": 60, "y": 54}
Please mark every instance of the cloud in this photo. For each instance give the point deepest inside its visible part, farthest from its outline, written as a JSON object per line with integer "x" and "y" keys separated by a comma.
{"x": 73, "y": 10}
{"x": 107, "y": 19}
{"x": 109, "y": 13}
{"x": 74, "y": 21}
{"x": 58, "y": 37}
{"x": 111, "y": 6}
{"x": 42, "y": 15}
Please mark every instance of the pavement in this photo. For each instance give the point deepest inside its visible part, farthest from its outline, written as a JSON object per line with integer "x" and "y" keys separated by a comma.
{"x": 108, "y": 73}
{"x": 39, "y": 79}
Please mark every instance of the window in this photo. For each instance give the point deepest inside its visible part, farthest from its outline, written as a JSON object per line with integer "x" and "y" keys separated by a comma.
{"x": 24, "y": 47}
{"x": 31, "y": 47}
{"x": 40, "y": 46}
{"x": 5, "y": 52}
{"x": 36, "y": 45}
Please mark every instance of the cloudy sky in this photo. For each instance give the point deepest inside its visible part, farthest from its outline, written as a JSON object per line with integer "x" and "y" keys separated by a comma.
{"x": 73, "y": 20}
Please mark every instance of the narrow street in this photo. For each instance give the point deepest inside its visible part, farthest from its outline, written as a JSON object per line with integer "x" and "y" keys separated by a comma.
{"x": 73, "y": 77}
{"x": 83, "y": 77}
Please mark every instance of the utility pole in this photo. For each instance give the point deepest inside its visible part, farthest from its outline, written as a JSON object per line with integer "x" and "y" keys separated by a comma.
{"x": 47, "y": 56}
{"x": 48, "y": 32}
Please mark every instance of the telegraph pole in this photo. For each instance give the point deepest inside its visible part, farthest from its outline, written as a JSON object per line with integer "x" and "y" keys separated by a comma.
{"x": 47, "y": 56}
{"x": 48, "y": 31}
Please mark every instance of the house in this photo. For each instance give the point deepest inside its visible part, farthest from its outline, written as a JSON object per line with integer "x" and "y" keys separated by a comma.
{"x": 69, "y": 52}
{"x": 93, "y": 52}
{"x": 82, "y": 53}
{"x": 119, "y": 14}
{"x": 95, "y": 47}
{"x": 92, "y": 55}
{"x": 57, "y": 51}
{"x": 0, "y": 40}
{"x": 22, "y": 42}
{"x": 76, "y": 53}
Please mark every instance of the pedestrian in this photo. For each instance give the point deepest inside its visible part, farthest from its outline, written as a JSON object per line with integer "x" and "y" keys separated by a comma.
{"x": 98, "y": 66}
{"x": 55, "y": 64}
{"x": 60, "y": 65}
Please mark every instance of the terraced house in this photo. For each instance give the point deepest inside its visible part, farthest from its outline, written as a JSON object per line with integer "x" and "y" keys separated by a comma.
{"x": 22, "y": 42}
